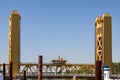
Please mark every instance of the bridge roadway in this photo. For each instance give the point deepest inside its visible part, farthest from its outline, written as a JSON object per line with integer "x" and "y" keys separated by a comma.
{"x": 59, "y": 76}
{"x": 64, "y": 76}
{"x": 68, "y": 76}
{"x": 85, "y": 76}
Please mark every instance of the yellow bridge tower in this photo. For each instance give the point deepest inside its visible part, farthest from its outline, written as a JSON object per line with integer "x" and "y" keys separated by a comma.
{"x": 103, "y": 39}
{"x": 14, "y": 41}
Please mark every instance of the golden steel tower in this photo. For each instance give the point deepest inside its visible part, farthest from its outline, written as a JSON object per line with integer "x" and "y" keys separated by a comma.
{"x": 103, "y": 39}
{"x": 14, "y": 41}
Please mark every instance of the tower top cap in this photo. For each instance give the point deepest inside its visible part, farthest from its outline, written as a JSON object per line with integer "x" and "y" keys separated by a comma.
{"x": 106, "y": 15}
{"x": 15, "y": 12}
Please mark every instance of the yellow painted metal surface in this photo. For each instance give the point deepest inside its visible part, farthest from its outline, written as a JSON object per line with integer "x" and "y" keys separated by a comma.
{"x": 103, "y": 39}
{"x": 14, "y": 41}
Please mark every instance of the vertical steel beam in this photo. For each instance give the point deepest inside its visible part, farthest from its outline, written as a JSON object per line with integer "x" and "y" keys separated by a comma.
{"x": 10, "y": 71}
{"x": 98, "y": 71}
{"x": 39, "y": 67}
{"x": 4, "y": 70}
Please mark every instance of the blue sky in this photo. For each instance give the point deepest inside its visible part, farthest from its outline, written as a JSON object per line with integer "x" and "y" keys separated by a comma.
{"x": 59, "y": 27}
